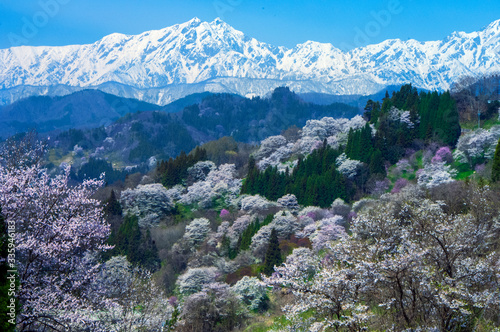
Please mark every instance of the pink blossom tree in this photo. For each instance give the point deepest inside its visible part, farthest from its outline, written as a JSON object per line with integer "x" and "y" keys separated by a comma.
{"x": 443, "y": 154}
{"x": 224, "y": 213}
{"x": 59, "y": 231}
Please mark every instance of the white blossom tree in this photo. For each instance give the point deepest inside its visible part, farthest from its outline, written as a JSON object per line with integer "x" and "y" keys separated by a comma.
{"x": 255, "y": 203}
{"x": 435, "y": 174}
{"x": 251, "y": 291}
{"x": 214, "y": 308}
{"x": 477, "y": 144}
{"x": 422, "y": 268}
{"x": 289, "y": 202}
{"x": 127, "y": 289}
{"x": 220, "y": 182}
{"x": 193, "y": 279}
{"x": 270, "y": 145}
{"x": 346, "y": 166}
{"x": 197, "y": 230}
{"x": 200, "y": 170}
{"x": 58, "y": 231}
{"x": 149, "y": 202}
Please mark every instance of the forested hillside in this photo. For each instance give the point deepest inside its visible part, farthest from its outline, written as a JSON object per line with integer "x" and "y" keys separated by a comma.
{"x": 385, "y": 221}
{"x": 146, "y": 137}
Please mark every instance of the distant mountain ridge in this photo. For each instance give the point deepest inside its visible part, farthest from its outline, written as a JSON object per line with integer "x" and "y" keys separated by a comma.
{"x": 164, "y": 65}
{"x": 82, "y": 109}
{"x": 137, "y": 136}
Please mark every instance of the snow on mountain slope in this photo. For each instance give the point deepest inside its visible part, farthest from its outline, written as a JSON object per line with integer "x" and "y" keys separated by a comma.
{"x": 163, "y": 65}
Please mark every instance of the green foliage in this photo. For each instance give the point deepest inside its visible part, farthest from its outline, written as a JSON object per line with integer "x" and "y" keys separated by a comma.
{"x": 95, "y": 167}
{"x": 221, "y": 150}
{"x": 137, "y": 245}
{"x": 495, "y": 169}
{"x": 112, "y": 206}
{"x": 360, "y": 144}
{"x": 245, "y": 239}
{"x": 72, "y": 137}
{"x": 314, "y": 181}
{"x": 438, "y": 118}
{"x": 226, "y": 246}
{"x": 251, "y": 120}
{"x": 171, "y": 323}
{"x": 174, "y": 171}
{"x": 142, "y": 151}
{"x": 372, "y": 111}
{"x": 182, "y": 212}
{"x": 433, "y": 117}
{"x": 377, "y": 163}
{"x": 273, "y": 254}
{"x": 246, "y": 236}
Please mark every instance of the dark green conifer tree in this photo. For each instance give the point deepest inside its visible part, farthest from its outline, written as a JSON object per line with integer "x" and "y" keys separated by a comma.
{"x": 273, "y": 254}
{"x": 495, "y": 170}
{"x": 130, "y": 241}
{"x": 112, "y": 206}
{"x": 226, "y": 245}
{"x": 377, "y": 163}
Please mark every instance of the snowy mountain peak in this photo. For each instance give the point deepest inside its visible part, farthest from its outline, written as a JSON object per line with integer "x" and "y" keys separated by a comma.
{"x": 195, "y": 21}
{"x": 494, "y": 26}
{"x": 160, "y": 66}
{"x": 217, "y": 21}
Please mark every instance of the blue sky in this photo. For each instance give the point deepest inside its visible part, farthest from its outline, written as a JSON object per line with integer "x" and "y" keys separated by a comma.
{"x": 345, "y": 24}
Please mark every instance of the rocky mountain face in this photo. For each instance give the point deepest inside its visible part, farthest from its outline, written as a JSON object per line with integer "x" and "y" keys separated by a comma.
{"x": 164, "y": 65}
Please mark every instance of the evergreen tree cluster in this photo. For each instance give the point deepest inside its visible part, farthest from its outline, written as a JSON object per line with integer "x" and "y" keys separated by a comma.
{"x": 495, "y": 168}
{"x": 128, "y": 238}
{"x": 432, "y": 117}
{"x": 361, "y": 146}
{"x": 439, "y": 118}
{"x": 245, "y": 239}
{"x": 134, "y": 243}
{"x": 95, "y": 167}
{"x": 173, "y": 171}
{"x": 112, "y": 206}
{"x": 314, "y": 181}
{"x": 251, "y": 120}
{"x": 273, "y": 254}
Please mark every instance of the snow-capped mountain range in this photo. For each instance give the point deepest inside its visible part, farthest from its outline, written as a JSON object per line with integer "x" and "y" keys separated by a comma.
{"x": 164, "y": 65}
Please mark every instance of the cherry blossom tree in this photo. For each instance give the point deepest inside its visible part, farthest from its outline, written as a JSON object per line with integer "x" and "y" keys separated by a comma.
{"x": 435, "y": 174}
{"x": 423, "y": 269}
{"x": 193, "y": 279}
{"x": 255, "y": 203}
{"x": 127, "y": 289}
{"x": 251, "y": 291}
{"x": 219, "y": 182}
{"x": 269, "y": 145}
{"x": 59, "y": 229}
{"x": 197, "y": 230}
{"x": 289, "y": 202}
{"x": 149, "y": 202}
{"x": 477, "y": 145}
{"x": 346, "y": 166}
{"x": 214, "y": 308}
